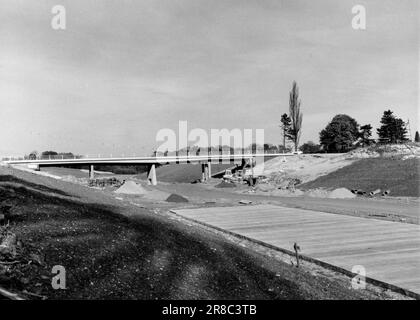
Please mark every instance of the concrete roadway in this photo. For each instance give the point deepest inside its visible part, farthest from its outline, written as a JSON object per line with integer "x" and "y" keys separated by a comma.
{"x": 389, "y": 251}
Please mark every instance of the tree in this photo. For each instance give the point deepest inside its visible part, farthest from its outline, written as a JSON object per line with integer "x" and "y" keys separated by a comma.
{"x": 340, "y": 134}
{"x": 393, "y": 129}
{"x": 270, "y": 148}
{"x": 417, "y": 137}
{"x": 365, "y": 134}
{"x": 286, "y": 122}
{"x": 295, "y": 116}
{"x": 48, "y": 154}
{"x": 33, "y": 155}
{"x": 310, "y": 147}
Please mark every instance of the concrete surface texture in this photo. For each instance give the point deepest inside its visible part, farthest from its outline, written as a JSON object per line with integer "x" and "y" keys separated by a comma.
{"x": 389, "y": 251}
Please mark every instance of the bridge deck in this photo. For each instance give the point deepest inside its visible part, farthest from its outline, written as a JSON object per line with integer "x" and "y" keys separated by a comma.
{"x": 389, "y": 251}
{"x": 149, "y": 160}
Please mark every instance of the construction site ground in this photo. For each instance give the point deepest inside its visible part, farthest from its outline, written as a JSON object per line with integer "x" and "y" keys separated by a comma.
{"x": 128, "y": 246}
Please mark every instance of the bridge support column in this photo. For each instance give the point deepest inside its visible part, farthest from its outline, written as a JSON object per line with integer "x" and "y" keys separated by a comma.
{"x": 151, "y": 175}
{"x": 205, "y": 172}
{"x": 91, "y": 172}
{"x": 209, "y": 169}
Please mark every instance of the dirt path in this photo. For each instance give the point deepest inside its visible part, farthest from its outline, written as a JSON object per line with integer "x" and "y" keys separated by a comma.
{"x": 113, "y": 249}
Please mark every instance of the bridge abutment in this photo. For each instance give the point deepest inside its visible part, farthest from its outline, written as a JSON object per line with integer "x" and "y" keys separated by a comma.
{"x": 34, "y": 166}
{"x": 205, "y": 171}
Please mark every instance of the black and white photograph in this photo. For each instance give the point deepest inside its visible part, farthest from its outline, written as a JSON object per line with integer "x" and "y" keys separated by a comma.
{"x": 208, "y": 157}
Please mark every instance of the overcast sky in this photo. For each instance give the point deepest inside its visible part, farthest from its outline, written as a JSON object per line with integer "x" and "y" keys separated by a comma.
{"x": 122, "y": 70}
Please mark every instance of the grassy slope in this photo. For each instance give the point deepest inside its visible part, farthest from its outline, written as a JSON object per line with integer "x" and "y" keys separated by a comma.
{"x": 147, "y": 256}
{"x": 399, "y": 176}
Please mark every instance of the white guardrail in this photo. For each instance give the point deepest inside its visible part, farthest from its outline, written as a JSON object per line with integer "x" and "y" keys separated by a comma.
{"x": 139, "y": 160}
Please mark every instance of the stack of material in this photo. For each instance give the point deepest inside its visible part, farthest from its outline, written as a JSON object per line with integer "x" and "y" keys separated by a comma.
{"x": 130, "y": 187}
{"x": 341, "y": 193}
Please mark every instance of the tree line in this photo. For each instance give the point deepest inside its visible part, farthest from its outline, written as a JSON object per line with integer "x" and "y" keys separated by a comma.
{"x": 342, "y": 133}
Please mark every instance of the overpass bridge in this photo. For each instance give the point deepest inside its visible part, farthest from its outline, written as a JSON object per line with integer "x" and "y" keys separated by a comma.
{"x": 151, "y": 162}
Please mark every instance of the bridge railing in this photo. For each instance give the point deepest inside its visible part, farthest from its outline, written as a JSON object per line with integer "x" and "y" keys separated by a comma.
{"x": 44, "y": 157}
{"x": 172, "y": 155}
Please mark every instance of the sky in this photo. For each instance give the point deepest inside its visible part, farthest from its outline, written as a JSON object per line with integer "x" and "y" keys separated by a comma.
{"x": 123, "y": 70}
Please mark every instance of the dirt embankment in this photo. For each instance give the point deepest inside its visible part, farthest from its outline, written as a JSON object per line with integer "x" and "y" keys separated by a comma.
{"x": 305, "y": 167}
{"x": 391, "y": 170}
{"x": 400, "y": 177}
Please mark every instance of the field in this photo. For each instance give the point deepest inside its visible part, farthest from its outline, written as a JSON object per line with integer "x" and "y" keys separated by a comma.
{"x": 399, "y": 176}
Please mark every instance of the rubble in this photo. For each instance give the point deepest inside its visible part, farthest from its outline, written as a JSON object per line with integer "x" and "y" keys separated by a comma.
{"x": 339, "y": 193}
{"x": 317, "y": 193}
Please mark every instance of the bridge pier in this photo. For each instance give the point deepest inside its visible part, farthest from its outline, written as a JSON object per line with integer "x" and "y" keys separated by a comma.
{"x": 205, "y": 171}
{"x": 151, "y": 175}
{"x": 91, "y": 172}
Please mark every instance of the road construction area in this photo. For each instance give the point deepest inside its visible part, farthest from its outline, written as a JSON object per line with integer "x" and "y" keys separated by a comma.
{"x": 129, "y": 246}
{"x": 118, "y": 237}
{"x": 388, "y": 251}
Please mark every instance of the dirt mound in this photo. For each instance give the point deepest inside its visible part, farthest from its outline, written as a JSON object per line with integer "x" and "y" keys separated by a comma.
{"x": 386, "y": 150}
{"x": 317, "y": 193}
{"x": 225, "y": 184}
{"x": 176, "y": 198}
{"x": 341, "y": 193}
{"x": 130, "y": 187}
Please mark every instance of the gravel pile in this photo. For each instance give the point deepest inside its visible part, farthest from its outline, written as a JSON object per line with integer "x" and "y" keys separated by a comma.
{"x": 130, "y": 187}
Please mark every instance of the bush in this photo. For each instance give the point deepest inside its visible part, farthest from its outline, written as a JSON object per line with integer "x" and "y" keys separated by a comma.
{"x": 310, "y": 147}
